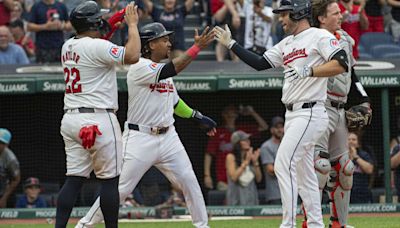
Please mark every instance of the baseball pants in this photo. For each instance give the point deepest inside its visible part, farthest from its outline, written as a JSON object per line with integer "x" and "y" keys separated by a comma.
{"x": 294, "y": 164}
{"x": 166, "y": 152}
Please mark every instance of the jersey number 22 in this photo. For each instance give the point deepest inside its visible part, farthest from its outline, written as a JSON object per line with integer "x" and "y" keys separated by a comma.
{"x": 72, "y": 78}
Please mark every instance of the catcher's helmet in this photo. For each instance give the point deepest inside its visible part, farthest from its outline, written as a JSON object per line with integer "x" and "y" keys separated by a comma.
{"x": 299, "y": 9}
{"x": 153, "y": 31}
{"x": 87, "y": 16}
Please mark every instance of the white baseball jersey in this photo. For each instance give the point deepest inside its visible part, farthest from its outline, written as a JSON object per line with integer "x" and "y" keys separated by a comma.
{"x": 90, "y": 74}
{"x": 151, "y": 102}
{"x": 311, "y": 47}
{"x": 258, "y": 31}
{"x": 339, "y": 86}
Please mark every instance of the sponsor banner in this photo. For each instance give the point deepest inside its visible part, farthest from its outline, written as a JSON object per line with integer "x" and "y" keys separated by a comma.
{"x": 142, "y": 212}
{"x": 17, "y": 86}
{"x": 50, "y": 85}
{"x": 380, "y": 81}
{"x": 249, "y": 83}
{"x": 196, "y": 84}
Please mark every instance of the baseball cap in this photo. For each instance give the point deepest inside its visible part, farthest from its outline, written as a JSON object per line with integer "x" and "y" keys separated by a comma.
{"x": 277, "y": 120}
{"x": 31, "y": 181}
{"x": 238, "y": 136}
{"x": 5, "y": 136}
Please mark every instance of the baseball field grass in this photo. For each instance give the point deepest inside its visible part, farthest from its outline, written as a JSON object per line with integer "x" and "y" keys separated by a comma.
{"x": 372, "y": 221}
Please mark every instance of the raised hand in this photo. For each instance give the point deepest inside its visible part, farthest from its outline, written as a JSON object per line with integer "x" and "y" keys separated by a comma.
{"x": 203, "y": 40}
{"x": 224, "y": 36}
{"x": 131, "y": 14}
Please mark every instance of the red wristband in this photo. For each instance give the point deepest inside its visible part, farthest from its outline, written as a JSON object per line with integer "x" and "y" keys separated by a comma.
{"x": 193, "y": 51}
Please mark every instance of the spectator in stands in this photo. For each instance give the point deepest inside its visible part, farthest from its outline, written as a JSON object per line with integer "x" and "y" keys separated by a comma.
{"x": 220, "y": 145}
{"x": 258, "y": 26}
{"x": 363, "y": 169}
{"x": 225, "y": 12}
{"x": 16, "y": 12}
{"x": 49, "y": 18}
{"x": 10, "y": 53}
{"x": 396, "y": 140}
{"x": 21, "y": 38}
{"x": 154, "y": 187}
{"x": 172, "y": 16}
{"x": 374, "y": 11}
{"x": 243, "y": 170}
{"x": 354, "y": 21}
{"x": 395, "y": 165}
{"x": 32, "y": 198}
{"x": 5, "y": 8}
{"x": 9, "y": 169}
{"x": 395, "y": 23}
{"x": 268, "y": 155}
{"x": 176, "y": 199}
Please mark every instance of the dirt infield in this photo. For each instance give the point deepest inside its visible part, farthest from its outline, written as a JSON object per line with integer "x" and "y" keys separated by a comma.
{"x": 75, "y": 220}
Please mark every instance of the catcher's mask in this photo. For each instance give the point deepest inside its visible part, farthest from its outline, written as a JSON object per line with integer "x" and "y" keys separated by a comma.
{"x": 299, "y": 9}
{"x": 151, "y": 32}
{"x": 87, "y": 16}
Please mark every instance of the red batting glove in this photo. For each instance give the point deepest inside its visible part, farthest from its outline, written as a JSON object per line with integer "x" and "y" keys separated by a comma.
{"x": 114, "y": 21}
{"x": 88, "y": 135}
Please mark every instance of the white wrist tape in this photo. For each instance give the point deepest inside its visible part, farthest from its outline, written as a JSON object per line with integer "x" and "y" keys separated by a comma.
{"x": 231, "y": 43}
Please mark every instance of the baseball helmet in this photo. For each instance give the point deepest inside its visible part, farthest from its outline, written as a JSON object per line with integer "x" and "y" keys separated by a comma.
{"x": 153, "y": 31}
{"x": 87, "y": 17}
{"x": 299, "y": 9}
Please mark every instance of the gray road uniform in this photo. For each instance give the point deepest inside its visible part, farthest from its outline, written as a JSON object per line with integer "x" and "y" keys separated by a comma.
{"x": 331, "y": 150}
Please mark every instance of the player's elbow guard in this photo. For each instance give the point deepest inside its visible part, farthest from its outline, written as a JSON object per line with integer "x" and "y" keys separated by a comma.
{"x": 342, "y": 59}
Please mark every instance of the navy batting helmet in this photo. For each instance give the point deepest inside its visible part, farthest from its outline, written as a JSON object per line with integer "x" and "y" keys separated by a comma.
{"x": 87, "y": 16}
{"x": 299, "y": 9}
{"x": 153, "y": 31}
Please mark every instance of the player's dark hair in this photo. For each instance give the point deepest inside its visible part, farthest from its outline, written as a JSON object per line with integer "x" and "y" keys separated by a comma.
{"x": 319, "y": 8}
{"x": 146, "y": 52}
{"x": 237, "y": 152}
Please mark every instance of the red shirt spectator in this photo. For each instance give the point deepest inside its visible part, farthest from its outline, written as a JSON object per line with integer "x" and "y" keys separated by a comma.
{"x": 220, "y": 145}
{"x": 5, "y": 8}
{"x": 354, "y": 21}
{"x": 215, "y": 5}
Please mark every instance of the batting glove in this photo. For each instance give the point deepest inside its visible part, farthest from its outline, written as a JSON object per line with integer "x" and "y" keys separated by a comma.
{"x": 293, "y": 73}
{"x": 88, "y": 135}
{"x": 224, "y": 36}
{"x": 205, "y": 122}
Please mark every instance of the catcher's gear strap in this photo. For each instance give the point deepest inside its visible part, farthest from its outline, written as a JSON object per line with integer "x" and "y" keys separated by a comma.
{"x": 357, "y": 90}
{"x": 167, "y": 71}
{"x": 250, "y": 58}
{"x": 182, "y": 110}
{"x": 342, "y": 58}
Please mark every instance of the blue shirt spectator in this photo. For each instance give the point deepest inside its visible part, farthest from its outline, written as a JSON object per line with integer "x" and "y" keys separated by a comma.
{"x": 395, "y": 164}
{"x": 10, "y": 53}
{"x": 363, "y": 169}
{"x": 49, "y": 19}
{"x": 31, "y": 199}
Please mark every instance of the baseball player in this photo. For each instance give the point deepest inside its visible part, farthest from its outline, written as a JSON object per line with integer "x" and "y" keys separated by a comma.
{"x": 89, "y": 127}
{"x": 149, "y": 137}
{"x": 331, "y": 151}
{"x": 308, "y": 55}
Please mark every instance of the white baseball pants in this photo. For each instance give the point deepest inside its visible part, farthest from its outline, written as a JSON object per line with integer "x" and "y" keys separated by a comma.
{"x": 294, "y": 164}
{"x": 166, "y": 152}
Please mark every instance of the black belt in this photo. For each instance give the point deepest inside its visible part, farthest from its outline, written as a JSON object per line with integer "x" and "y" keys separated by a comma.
{"x": 89, "y": 110}
{"x": 305, "y": 105}
{"x": 338, "y": 105}
{"x": 150, "y": 130}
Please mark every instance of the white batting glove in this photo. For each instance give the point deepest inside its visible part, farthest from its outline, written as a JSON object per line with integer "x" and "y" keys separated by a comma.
{"x": 224, "y": 36}
{"x": 294, "y": 73}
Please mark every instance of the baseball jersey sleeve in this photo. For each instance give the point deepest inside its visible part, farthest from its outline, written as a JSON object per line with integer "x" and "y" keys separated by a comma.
{"x": 328, "y": 45}
{"x": 108, "y": 53}
{"x": 176, "y": 96}
{"x": 266, "y": 155}
{"x": 146, "y": 71}
{"x": 274, "y": 55}
{"x": 13, "y": 166}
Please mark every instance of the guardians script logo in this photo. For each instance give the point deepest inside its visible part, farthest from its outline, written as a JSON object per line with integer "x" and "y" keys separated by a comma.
{"x": 162, "y": 87}
{"x": 295, "y": 54}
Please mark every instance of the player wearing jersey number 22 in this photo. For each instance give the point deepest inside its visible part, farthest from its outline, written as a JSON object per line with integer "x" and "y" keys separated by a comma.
{"x": 89, "y": 127}
{"x": 308, "y": 55}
